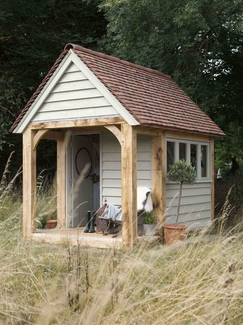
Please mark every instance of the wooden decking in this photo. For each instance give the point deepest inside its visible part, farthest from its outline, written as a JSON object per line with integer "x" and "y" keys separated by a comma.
{"x": 75, "y": 236}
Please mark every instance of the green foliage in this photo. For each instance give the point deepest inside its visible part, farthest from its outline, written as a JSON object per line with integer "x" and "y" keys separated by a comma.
{"x": 11, "y": 101}
{"x": 42, "y": 218}
{"x": 41, "y": 221}
{"x": 230, "y": 148}
{"x": 34, "y": 32}
{"x": 183, "y": 39}
{"x": 198, "y": 42}
{"x": 181, "y": 172}
{"x": 148, "y": 217}
{"x": 229, "y": 188}
{"x": 32, "y": 35}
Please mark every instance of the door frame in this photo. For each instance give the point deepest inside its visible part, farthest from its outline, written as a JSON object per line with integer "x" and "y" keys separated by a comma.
{"x": 70, "y": 161}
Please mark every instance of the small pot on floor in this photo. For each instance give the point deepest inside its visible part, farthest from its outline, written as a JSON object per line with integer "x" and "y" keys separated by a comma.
{"x": 174, "y": 233}
{"x": 50, "y": 224}
{"x": 149, "y": 229}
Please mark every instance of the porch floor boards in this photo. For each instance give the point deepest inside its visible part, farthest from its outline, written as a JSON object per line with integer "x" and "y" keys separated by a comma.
{"x": 75, "y": 236}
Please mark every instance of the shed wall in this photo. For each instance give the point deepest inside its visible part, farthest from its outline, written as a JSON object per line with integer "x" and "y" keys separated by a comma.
{"x": 110, "y": 164}
{"x": 74, "y": 97}
{"x": 195, "y": 210}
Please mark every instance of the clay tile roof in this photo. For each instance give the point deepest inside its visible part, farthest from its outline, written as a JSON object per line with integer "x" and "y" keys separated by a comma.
{"x": 150, "y": 96}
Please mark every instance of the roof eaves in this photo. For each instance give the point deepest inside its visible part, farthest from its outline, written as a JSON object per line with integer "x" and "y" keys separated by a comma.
{"x": 217, "y": 134}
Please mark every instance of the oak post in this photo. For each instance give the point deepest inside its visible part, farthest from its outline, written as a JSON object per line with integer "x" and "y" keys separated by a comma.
{"x": 29, "y": 183}
{"x": 159, "y": 178}
{"x": 61, "y": 183}
{"x": 129, "y": 185}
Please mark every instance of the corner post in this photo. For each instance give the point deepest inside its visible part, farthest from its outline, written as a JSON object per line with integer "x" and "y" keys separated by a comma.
{"x": 129, "y": 185}
{"x": 159, "y": 178}
{"x": 29, "y": 183}
{"x": 61, "y": 183}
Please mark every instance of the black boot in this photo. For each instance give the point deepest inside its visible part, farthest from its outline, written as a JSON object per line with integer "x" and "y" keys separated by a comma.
{"x": 92, "y": 221}
{"x": 88, "y": 215}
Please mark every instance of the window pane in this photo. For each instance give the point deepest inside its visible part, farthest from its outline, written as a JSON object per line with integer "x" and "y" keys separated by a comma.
{"x": 204, "y": 166}
{"x": 170, "y": 154}
{"x": 194, "y": 156}
{"x": 182, "y": 151}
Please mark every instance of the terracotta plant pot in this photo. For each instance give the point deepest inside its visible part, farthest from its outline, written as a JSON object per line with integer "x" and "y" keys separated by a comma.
{"x": 51, "y": 224}
{"x": 174, "y": 233}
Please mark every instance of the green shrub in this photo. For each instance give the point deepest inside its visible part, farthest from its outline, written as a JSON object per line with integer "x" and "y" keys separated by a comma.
{"x": 148, "y": 217}
{"x": 41, "y": 221}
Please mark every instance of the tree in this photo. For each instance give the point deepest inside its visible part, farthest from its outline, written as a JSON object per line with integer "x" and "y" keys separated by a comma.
{"x": 197, "y": 42}
{"x": 182, "y": 173}
{"x": 32, "y": 35}
{"x": 229, "y": 152}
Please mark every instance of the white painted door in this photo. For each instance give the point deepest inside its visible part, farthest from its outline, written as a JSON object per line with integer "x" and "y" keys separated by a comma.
{"x": 79, "y": 180}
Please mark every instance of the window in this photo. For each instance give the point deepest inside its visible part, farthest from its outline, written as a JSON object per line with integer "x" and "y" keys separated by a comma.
{"x": 195, "y": 153}
{"x": 170, "y": 154}
{"x": 182, "y": 150}
{"x": 204, "y": 159}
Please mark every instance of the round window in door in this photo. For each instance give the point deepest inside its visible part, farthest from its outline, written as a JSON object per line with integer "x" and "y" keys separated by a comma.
{"x": 83, "y": 162}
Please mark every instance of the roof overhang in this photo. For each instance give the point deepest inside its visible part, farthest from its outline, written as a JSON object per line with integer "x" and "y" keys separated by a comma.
{"x": 69, "y": 58}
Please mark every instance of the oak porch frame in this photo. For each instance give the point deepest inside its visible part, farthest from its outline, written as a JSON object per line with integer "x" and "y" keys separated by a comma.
{"x": 127, "y": 136}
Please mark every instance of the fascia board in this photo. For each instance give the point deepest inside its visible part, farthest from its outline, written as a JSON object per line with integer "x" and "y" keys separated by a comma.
{"x": 51, "y": 83}
{"x": 104, "y": 91}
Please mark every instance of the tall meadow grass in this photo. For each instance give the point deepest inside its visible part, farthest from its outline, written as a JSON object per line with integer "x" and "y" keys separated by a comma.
{"x": 199, "y": 281}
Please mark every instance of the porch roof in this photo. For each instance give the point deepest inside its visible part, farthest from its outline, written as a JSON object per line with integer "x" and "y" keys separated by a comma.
{"x": 150, "y": 96}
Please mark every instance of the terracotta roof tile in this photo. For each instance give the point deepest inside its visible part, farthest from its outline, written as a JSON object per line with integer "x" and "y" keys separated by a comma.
{"x": 150, "y": 96}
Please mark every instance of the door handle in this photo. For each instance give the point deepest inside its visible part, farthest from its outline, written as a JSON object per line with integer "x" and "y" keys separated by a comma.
{"x": 95, "y": 178}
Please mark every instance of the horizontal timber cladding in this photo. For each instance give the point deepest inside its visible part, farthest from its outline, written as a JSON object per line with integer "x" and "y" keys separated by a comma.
{"x": 74, "y": 97}
{"x": 144, "y": 160}
{"x": 110, "y": 165}
{"x": 195, "y": 208}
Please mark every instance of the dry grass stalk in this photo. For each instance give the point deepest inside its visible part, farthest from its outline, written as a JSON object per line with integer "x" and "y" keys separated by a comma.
{"x": 199, "y": 281}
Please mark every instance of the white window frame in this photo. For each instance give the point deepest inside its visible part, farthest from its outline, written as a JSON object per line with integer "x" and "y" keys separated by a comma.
{"x": 199, "y": 145}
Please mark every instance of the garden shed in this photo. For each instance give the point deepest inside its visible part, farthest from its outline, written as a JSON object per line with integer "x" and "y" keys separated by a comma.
{"x": 129, "y": 123}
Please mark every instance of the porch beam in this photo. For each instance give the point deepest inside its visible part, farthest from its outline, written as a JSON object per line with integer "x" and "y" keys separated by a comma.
{"x": 189, "y": 136}
{"x": 29, "y": 183}
{"x": 148, "y": 130}
{"x": 78, "y": 123}
{"x": 61, "y": 183}
{"x": 53, "y": 135}
{"x": 129, "y": 185}
{"x": 159, "y": 179}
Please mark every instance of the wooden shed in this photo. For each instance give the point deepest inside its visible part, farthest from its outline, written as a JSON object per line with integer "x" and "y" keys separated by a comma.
{"x": 131, "y": 123}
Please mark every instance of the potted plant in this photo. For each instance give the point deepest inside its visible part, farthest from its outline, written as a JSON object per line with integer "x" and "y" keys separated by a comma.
{"x": 41, "y": 221}
{"x": 182, "y": 173}
{"x": 148, "y": 223}
{"x": 51, "y": 221}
